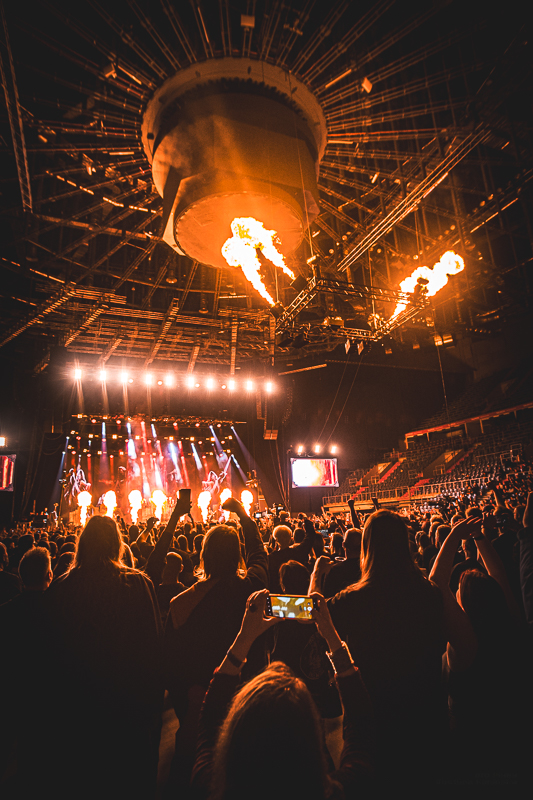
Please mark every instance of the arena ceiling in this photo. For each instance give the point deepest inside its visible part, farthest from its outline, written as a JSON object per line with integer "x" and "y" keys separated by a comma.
{"x": 426, "y": 147}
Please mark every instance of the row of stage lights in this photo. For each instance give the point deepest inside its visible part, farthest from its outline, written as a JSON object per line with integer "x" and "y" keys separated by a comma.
{"x": 188, "y": 381}
{"x": 75, "y": 448}
{"x": 302, "y": 450}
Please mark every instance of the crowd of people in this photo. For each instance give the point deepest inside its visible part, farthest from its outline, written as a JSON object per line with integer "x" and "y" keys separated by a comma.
{"x": 420, "y": 641}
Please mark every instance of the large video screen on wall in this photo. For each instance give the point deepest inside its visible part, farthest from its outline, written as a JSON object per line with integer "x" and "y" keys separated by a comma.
{"x": 7, "y": 472}
{"x": 314, "y": 472}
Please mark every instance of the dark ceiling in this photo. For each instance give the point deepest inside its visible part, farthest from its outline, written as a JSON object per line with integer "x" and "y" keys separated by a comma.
{"x": 84, "y": 267}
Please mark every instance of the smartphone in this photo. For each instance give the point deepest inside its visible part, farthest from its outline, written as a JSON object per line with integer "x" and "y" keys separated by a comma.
{"x": 258, "y": 515}
{"x": 290, "y": 606}
{"x": 184, "y": 494}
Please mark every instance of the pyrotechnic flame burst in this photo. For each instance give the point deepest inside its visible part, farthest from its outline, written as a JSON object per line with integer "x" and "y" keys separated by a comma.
{"x": 247, "y": 499}
{"x": 84, "y": 501}
{"x": 110, "y": 502}
{"x": 136, "y": 501}
{"x": 450, "y": 264}
{"x": 240, "y": 251}
{"x": 158, "y": 498}
{"x": 225, "y": 494}
{"x": 204, "y": 500}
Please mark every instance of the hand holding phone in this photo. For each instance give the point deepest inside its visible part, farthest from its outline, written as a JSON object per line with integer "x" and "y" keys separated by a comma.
{"x": 290, "y": 606}
{"x": 257, "y": 618}
{"x": 183, "y": 502}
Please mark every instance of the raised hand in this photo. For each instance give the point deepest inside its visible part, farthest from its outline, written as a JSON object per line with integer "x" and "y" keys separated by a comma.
{"x": 232, "y": 504}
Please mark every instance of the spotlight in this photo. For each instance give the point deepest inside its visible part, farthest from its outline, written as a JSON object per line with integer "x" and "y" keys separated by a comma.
{"x": 130, "y": 380}
{"x": 77, "y": 374}
{"x": 231, "y": 386}
{"x": 148, "y": 379}
{"x": 160, "y": 383}
{"x": 171, "y": 275}
{"x": 189, "y": 382}
{"x": 249, "y": 386}
{"x": 210, "y": 383}
{"x": 2, "y": 441}
{"x": 333, "y": 449}
{"x": 269, "y": 387}
{"x": 124, "y": 377}
{"x": 169, "y": 380}
{"x": 102, "y": 374}
{"x": 317, "y": 448}
{"x": 300, "y": 449}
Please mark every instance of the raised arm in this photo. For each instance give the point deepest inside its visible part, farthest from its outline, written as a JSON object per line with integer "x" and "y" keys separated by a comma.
{"x": 494, "y": 566}
{"x": 356, "y": 522}
{"x": 156, "y": 560}
{"x": 255, "y": 553}
{"x": 462, "y": 643}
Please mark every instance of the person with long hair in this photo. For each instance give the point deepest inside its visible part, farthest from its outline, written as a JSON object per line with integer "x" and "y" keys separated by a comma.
{"x": 270, "y": 742}
{"x": 105, "y": 670}
{"x": 393, "y": 620}
{"x": 204, "y": 620}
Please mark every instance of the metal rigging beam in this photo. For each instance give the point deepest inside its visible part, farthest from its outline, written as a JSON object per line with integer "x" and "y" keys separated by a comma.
{"x": 45, "y": 309}
{"x": 414, "y": 198}
{"x": 170, "y": 317}
{"x": 15, "y": 120}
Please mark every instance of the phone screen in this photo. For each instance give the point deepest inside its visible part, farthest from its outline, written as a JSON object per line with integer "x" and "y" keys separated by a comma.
{"x": 290, "y": 606}
{"x": 184, "y": 494}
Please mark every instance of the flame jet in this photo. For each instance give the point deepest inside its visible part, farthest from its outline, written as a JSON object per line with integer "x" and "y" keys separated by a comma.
{"x": 249, "y": 235}
{"x": 224, "y": 495}
{"x": 450, "y": 264}
{"x": 158, "y": 498}
{"x": 84, "y": 501}
{"x": 110, "y": 502}
{"x": 136, "y": 500}
{"x": 247, "y": 499}
{"x": 203, "y": 502}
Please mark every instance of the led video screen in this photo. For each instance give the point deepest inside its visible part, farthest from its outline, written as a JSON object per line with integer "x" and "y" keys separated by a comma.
{"x": 7, "y": 473}
{"x": 314, "y": 472}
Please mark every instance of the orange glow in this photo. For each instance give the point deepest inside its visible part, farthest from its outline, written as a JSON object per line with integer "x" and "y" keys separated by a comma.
{"x": 249, "y": 235}
{"x": 136, "y": 500}
{"x": 225, "y": 494}
{"x": 158, "y": 498}
{"x": 449, "y": 264}
{"x": 110, "y": 502}
{"x": 247, "y": 499}
{"x": 84, "y": 501}
{"x": 203, "y": 502}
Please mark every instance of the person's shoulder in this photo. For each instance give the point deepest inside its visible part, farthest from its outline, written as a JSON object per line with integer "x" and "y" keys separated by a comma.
{"x": 350, "y": 596}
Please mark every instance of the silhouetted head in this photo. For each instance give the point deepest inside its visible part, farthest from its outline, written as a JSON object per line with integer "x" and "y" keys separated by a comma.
{"x": 294, "y": 578}
{"x": 270, "y": 744}
{"x": 100, "y": 544}
{"x": 221, "y": 553}
{"x": 35, "y": 569}
{"x": 483, "y": 601}
{"x": 385, "y": 553}
{"x": 283, "y": 536}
